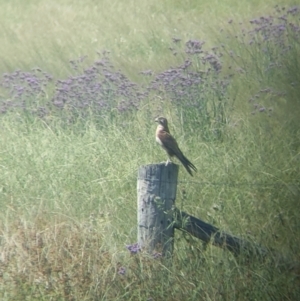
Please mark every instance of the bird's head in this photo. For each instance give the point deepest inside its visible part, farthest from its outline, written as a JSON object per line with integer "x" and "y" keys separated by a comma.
{"x": 162, "y": 121}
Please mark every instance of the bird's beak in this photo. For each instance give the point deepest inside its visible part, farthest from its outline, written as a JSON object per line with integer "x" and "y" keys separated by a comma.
{"x": 156, "y": 119}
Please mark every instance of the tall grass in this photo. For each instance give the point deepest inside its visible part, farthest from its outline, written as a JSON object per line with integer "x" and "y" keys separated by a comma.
{"x": 73, "y": 135}
{"x": 48, "y": 34}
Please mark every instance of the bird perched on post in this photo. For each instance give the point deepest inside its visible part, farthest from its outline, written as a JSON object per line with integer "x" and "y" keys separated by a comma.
{"x": 169, "y": 144}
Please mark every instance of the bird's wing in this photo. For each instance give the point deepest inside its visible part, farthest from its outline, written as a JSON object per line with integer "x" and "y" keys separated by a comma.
{"x": 169, "y": 143}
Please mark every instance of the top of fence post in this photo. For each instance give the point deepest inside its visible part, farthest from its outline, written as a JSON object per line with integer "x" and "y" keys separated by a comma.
{"x": 156, "y": 188}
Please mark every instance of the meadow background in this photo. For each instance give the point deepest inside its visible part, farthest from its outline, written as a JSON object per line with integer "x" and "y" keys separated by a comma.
{"x": 81, "y": 84}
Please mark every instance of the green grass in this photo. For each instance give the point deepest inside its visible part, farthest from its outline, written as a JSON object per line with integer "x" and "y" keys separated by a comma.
{"x": 49, "y": 34}
{"x": 68, "y": 190}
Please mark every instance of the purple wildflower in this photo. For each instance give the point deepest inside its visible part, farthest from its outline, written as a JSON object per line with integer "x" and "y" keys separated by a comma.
{"x": 134, "y": 248}
{"x": 122, "y": 271}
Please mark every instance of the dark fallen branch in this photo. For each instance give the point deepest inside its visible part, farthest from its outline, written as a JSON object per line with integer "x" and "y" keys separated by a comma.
{"x": 209, "y": 233}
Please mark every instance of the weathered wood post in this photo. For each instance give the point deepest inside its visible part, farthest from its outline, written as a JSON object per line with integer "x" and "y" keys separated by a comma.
{"x": 156, "y": 189}
{"x": 209, "y": 233}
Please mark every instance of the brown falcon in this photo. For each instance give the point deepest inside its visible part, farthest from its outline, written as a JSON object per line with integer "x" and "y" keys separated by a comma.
{"x": 169, "y": 144}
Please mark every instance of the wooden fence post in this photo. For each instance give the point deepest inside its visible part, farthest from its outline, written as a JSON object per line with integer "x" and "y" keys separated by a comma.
{"x": 209, "y": 233}
{"x": 156, "y": 189}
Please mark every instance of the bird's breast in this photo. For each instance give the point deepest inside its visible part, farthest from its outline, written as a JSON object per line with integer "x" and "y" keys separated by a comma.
{"x": 158, "y": 141}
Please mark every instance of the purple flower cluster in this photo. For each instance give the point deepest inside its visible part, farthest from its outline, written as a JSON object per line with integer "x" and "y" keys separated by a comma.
{"x": 23, "y": 88}
{"x": 261, "y": 94}
{"x": 196, "y": 75}
{"x": 193, "y": 46}
{"x": 98, "y": 87}
{"x": 198, "y": 86}
{"x": 134, "y": 248}
{"x": 122, "y": 271}
{"x": 273, "y": 45}
{"x": 273, "y": 35}
{"x": 276, "y": 30}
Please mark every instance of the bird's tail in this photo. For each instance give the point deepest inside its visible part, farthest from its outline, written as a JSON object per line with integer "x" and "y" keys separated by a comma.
{"x": 189, "y": 166}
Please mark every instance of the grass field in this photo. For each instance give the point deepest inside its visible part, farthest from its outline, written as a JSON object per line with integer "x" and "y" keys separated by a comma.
{"x": 81, "y": 84}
